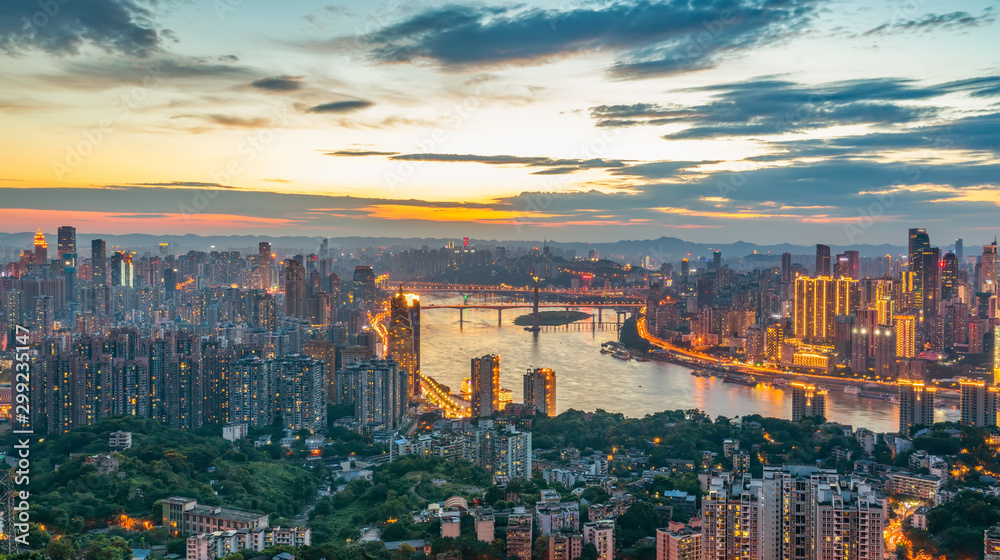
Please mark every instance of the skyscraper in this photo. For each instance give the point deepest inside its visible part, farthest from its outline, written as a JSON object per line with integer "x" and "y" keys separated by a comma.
{"x": 979, "y": 403}
{"x": 848, "y": 264}
{"x": 919, "y": 242}
{"x": 250, "y": 394}
{"x": 485, "y": 385}
{"x": 905, "y": 327}
{"x": 949, "y": 276}
{"x": 807, "y": 401}
{"x": 959, "y": 250}
{"x": 916, "y": 405}
{"x": 988, "y": 274}
{"x": 929, "y": 281}
{"x": 41, "y": 248}
{"x": 786, "y": 268}
{"x": 98, "y": 262}
{"x": 295, "y": 289}
{"x": 822, "y": 260}
{"x": 122, "y": 271}
{"x": 67, "y": 241}
{"x": 363, "y": 288}
{"x": 540, "y": 390}
{"x": 404, "y": 337}
{"x": 818, "y": 301}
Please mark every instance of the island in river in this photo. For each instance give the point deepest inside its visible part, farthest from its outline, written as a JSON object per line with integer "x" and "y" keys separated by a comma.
{"x": 552, "y": 318}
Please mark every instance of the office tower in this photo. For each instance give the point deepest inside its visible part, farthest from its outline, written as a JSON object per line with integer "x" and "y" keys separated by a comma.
{"x": 919, "y": 242}
{"x": 363, "y": 288}
{"x": 678, "y": 542}
{"x": 847, "y": 265}
{"x": 601, "y": 534}
{"x": 706, "y": 291}
{"x": 67, "y": 241}
{"x": 295, "y": 289}
{"x": 996, "y": 352}
{"x": 930, "y": 281}
{"x": 98, "y": 262}
{"x": 905, "y": 327}
{"x": 169, "y": 281}
{"x": 979, "y": 403}
{"x": 959, "y": 250}
{"x": 949, "y": 276}
{"x": 786, "y": 268}
{"x": 122, "y": 271}
{"x": 250, "y": 393}
{"x": 717, "y": 266}
{"x": 485, "y": 386}
{"x": 685, "y": 270}
{"x": 404, "y": 337}
{"x": 807, "y": 401}
{"x": 822, "y": 260}
{"x": 334, "y": 290}
{"x": 41, "y": 254}
{"x": 519, "y": 539}
{"x": 818, "y": 301}
{"x": 988, "y": 274}
{"x": 540, "y": 390}
{"x": 916, "y": 405}
{"x": 565, "y": 546}
{"x": 378, "y": 389}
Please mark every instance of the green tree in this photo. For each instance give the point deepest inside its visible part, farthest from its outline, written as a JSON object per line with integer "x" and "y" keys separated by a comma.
{"x": 61, "y": 549}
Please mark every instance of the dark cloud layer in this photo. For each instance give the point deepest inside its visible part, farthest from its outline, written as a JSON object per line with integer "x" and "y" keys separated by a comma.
{"x": 771, "y": 106}
{"x": 64, "y": 28}
{"x": 649, "y": 38}
{"x": 341, "y": 106}
{"x": 278, "y": 83}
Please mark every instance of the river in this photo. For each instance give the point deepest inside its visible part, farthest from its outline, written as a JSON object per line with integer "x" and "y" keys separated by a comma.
{"x": 589, "y": 380}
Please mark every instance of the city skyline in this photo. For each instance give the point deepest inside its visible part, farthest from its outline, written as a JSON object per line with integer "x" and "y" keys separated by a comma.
{"x": 628, "y": 120}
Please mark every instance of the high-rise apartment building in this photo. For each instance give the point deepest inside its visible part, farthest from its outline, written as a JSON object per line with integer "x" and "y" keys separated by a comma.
{"x": 519, "y": 539}
{"x": 818, "y": 301}
{"x": 485, "y": 386}
{"x": 540, "y": 390}
{"x": 979, "y": 403}
{"x": 363, "y": 288}
{"x": 988, "y": 270}
{"x": 905, "y": 327}
{"x": 251, "y": 393}
{"x": 678, "y": 542}
{"x": 378, "y": 389}
{"x": 807, "y": 401}
{"x": 302, "y": 393}
{"x": 916, "y": 405}
{"x": 295, "y": 289}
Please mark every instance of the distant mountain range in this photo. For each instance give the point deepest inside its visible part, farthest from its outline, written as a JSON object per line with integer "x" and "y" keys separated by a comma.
{"x": 664, "y": 249}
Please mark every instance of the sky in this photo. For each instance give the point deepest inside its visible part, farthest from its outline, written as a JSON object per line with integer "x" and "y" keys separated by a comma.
{"x": 804, "y": 121}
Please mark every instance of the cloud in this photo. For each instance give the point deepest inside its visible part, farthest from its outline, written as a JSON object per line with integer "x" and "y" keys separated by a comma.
{"x": 65, "y": 28}
{"x": 932, "y": 22}
{"x": 279, "y": 83}
{"x": 359, "y": 153}
{"x": 230, "y": 121}
{"x": 764, "y": 107}
{"x": 341, "y": 106}
{"x": 648, "y": 38}
{"x": 154, "y": 72}
{"x": 555, "y": 166}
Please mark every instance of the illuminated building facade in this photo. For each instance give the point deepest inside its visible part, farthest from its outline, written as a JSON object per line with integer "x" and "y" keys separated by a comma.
{"x": 404, "y": 337}
{"x": 540, "y": 390}
{"x": 302, "y": 389}
{"x": 818, "y": 301}
{"x": 916, "y": 405}
{"x": 979, "y": 403}
{"x": 905, "y": 327}
{"x": 485, "y": 385}
{"x": 807, "y": 401}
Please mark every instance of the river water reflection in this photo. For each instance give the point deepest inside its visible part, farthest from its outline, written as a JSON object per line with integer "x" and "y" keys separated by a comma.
{"x": 589, "y": 380}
